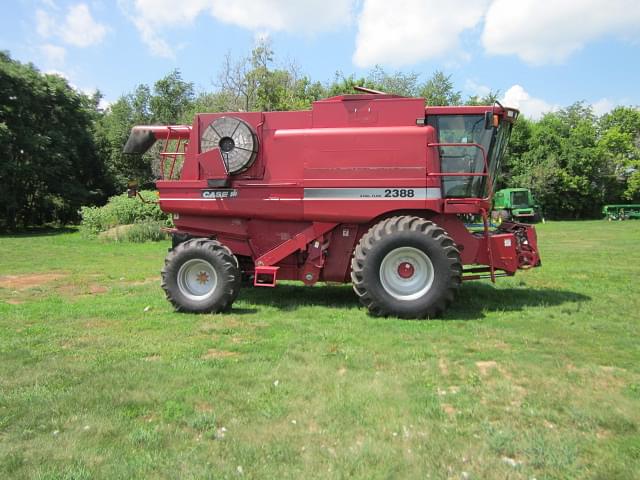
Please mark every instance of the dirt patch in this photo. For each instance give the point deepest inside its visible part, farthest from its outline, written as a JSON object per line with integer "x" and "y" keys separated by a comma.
{"x": 212, "y": 353}
{"x": 95, "y": 289}
{"x": 448, "y": 409}
{"x": 24, "y": 282}
{"x": 232, "y": 322}
{"x": 486, "y": 367}
{"x": 97, "y": 323}
{"x": 208, "y": 327}
{"x": 518, "y": 394}
{"x": 228, "y": 324}
{"x": 607, "y": 369}
{"x": 204, "y": 407}
{"x": 442, "y": 365}
{"x": 81, "y": 290}
{"x": 14, "y": 301}
{"x": 342, "y": 371}
{"x": 152, "y": 358}
{"x": 313, "y": 426}
{"x": 146, "y": 281}
{"x": 500, "y": 345}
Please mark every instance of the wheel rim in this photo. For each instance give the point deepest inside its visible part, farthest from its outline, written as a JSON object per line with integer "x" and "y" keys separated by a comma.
{"x": 406, "y": 273}
{"x": 197, "y": 279}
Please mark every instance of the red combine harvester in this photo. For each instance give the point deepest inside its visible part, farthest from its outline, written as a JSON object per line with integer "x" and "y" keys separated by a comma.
{"x": 368, "y": 188}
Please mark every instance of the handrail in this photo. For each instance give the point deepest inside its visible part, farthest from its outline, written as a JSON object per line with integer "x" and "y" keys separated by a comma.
{"x": 483, "y": 211}
{"x": 485, "y": 172}
{"x": 173, "y": 155}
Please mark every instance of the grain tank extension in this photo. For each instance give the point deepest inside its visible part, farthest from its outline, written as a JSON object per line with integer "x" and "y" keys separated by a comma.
{"x": 367, "y": 188}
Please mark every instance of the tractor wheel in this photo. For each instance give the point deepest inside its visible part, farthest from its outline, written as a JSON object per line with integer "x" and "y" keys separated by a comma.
{"x": 502, "y": 216}
{"x": 406, "y": 266}
{"x": 201, "y": 275}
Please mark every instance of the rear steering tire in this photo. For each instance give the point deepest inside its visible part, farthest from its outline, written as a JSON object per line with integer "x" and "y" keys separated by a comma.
{"x": 407, "y": 267}
{"x": 201, "y": 276}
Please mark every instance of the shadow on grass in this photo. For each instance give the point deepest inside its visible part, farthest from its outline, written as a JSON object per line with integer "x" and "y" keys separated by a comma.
{"x": 474, "y": 300}
{"x": 37, "y": 232}
{"x": 291, "y": 296}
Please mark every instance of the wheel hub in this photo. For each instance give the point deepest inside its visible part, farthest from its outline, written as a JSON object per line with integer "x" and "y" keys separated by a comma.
{"x": 406, "y": 270}
{"x": 406, "y": 273}
{"x": 197, "y": 279}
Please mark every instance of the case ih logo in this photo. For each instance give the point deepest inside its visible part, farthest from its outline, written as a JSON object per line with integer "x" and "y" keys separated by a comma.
{"x": 220, "y": 193}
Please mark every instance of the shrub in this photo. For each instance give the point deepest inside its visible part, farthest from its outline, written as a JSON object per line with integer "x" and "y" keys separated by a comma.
{"x": 122, "y": 210}
{"x": 135, "y": 232}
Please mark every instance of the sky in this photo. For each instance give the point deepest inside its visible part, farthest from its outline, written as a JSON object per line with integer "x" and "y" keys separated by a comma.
{"x": 540, "y": 54}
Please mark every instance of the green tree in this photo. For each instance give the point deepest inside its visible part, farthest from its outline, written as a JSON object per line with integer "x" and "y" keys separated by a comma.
{"x": 50, "y": 164}
{"x": 489, "y": 99}
{"x": 440, "y": 90}
{"x": 171, "y": 97}
{"x": 519, "y": 144}
{"x": 561, "y": 164}
{"x": 168, "y": 103}
{"x": 255, "y": 83}
{"x": 112, "y": 132}
{"x": 399, "y": 83}
{"x": 619, "y": 147}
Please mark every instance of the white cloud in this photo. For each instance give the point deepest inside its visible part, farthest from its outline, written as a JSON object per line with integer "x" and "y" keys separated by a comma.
{"x": 602, "y": 106}
{"x": 156, "y": 44}
{"x": 531, "y": 107}
{"x": 54, "y": 55}
{"x": 259, "y": 16}
{"x": 408, "y": 31}
{"x": 45, "y": 24}
{"x": 310, "y": 16}
{"x": 549, "y": 32}
{"x": 59, "y": 73}
{"x": 50, "y": 4}
{"x": 78, "y": 28}
{"x": 475, "y": 88}
{"x": 605, "y": 105}
{"x": 104, "y": 104}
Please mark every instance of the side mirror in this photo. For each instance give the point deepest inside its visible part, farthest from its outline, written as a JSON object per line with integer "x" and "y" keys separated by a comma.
{"x": 490, "y": 120}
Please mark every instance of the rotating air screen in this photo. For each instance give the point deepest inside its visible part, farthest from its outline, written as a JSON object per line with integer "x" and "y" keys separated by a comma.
{"x": 237, "y": 143}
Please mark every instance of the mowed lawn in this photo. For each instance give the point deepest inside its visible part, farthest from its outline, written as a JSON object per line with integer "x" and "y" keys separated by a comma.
{"x": 535, "y": 377}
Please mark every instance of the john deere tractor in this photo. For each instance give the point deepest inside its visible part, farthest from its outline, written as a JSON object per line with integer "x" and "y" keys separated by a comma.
{"x": 515, "y": 204}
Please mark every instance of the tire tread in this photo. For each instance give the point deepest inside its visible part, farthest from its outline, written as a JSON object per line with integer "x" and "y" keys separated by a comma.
{"x": 392, "y": 226}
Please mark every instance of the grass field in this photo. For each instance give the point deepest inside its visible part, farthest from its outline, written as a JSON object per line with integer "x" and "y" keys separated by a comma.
{"x": 536, "y": 377}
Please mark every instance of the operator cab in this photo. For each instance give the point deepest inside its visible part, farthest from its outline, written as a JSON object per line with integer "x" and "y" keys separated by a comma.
{"x": 465, "y": 135}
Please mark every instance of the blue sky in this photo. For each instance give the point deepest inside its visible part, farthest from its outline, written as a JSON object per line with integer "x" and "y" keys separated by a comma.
{"x": 540, "y": 54}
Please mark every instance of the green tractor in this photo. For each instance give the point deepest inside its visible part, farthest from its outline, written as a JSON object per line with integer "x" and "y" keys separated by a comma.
{"x": 514, "y": 204}
{"x": 621, "y": 212}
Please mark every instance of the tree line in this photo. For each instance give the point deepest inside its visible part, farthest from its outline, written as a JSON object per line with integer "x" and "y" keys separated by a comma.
{"x": 61, "y": 151}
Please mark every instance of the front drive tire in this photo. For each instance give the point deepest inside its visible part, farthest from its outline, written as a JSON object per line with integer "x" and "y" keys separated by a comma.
{"x": 201, "y": 276}
{"x": 407, "y": 267}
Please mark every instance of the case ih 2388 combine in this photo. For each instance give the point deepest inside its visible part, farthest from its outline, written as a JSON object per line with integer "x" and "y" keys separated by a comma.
{"x": 367, "y": 188}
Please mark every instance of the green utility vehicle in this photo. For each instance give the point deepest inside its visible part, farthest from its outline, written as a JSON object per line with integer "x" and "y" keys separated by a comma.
{"x": 621, "y": 212}
{"x": 516, "y": 204}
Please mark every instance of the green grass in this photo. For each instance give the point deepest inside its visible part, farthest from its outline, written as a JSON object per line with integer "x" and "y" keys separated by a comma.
{"x": 537, "y": 376}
